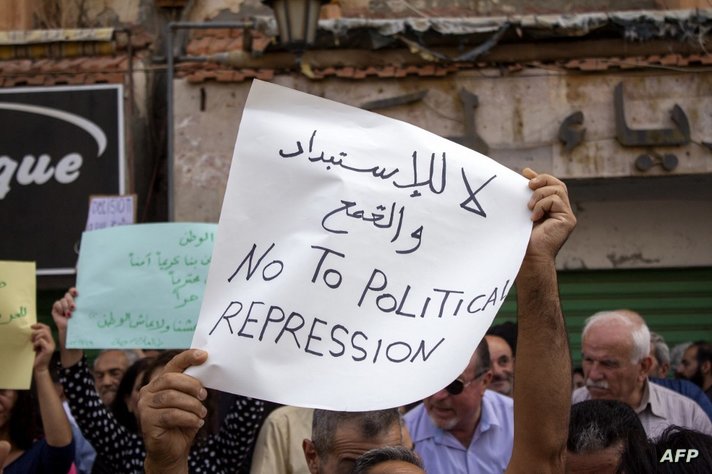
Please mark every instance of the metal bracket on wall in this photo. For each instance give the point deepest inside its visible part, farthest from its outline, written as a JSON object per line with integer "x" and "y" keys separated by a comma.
{"x": 570, "y": 132}
{"x": 680, "y": 135}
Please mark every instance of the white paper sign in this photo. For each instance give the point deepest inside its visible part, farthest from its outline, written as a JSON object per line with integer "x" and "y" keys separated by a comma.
{"x": 110, "y": 211}
{"x": 358, "y": 260}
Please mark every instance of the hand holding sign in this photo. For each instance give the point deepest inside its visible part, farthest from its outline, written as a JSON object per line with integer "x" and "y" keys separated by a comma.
{"x": 171, "y": 413}
{"x": 62, "y": 310}
{"x": 43, "y": 345}
{"x": 552, "y": 215}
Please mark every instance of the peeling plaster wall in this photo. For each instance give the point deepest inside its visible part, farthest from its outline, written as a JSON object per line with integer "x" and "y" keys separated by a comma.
{"x": 637, "y": 234}
{"x": 519, "y": 118}
{"x": 110, "y": 12}
{"x": 204, "y": 140}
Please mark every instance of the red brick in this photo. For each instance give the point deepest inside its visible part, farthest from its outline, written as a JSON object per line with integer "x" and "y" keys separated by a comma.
{"x": 388, "y": 71}
{"x": 345, "y": 72}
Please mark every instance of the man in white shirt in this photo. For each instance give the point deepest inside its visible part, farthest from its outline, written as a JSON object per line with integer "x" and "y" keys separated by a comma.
{"x": 616, "y": 361}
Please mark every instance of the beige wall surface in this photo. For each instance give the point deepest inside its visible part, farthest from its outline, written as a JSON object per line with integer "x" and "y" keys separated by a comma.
{"x": 519, "y": 118}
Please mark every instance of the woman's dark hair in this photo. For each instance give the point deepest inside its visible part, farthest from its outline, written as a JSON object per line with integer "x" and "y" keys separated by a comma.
{"x": 119, "y": 407}
{"x": 24, "y": 423}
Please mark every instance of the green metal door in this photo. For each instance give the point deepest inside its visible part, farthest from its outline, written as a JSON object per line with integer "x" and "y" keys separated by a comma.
{"x": 676, "y": 303}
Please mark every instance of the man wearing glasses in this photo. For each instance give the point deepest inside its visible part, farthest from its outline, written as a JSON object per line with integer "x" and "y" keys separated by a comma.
{"x": 464, "y": 427}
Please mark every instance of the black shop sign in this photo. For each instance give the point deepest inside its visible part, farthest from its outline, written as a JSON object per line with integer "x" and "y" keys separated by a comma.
{"x": 58, "y": 146}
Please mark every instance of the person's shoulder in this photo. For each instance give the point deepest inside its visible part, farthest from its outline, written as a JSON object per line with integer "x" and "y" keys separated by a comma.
{"x": 677, "y": 385}
{"x": 675, "y": 400}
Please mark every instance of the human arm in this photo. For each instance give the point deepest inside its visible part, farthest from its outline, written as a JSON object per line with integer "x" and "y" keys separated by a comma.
{"x": 55, "y": 424}
{"x": 171, "y": 412}
{"x": 61, "y": 312}
{"x": 4, "y": 451}
{"x": 111, "y": 440}
{"x": 542, "y": 374}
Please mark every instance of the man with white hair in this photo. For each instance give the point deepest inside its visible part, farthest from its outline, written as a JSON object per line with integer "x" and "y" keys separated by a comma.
{"x": 616, "y": 361}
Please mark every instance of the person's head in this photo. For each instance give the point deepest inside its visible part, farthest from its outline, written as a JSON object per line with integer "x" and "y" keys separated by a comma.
{"x": 659, "y": 355}
{"x": 502, "y": 365}
{"x": 109, "y": 367}
{"x": 696, "y": 364}
{"x": 601, "y": 432}
{"x": 616, "y": 356}
{"x": 507, "y": 331}
{"x": 389, "y": 460}
{"x": 676, "y": 353}
{"x": 339, "y": 438}
{"x": 696, "y": 446}
{"x": 124, "y": 404}
{"x": 577, "y": 378}
{"x": 19, "y": 423}
{"x": 457, "y": 407}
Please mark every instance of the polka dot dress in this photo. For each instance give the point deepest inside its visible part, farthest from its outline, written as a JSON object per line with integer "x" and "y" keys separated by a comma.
{"x": 224, "y": 452}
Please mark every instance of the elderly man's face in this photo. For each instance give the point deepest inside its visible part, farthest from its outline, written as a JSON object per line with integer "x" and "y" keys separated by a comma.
{"x": 610, "y": 373}
{"x": 460, "y": 413}
{"x": 502, "y": 365}
{"x": 347, "y": 445}
{"x": 109, "y": 367}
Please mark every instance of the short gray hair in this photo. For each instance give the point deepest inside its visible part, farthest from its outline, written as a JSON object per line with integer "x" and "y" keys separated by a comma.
{"x": 376, "y": 456}
{"x": 638, "y": 330}
{"x": 661, "y": 351}
{"x": 131, "y": 355}
{"x": 370, "y": 424}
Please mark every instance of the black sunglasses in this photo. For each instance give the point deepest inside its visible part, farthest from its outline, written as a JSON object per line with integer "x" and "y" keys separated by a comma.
{"x": 458, "y": 385}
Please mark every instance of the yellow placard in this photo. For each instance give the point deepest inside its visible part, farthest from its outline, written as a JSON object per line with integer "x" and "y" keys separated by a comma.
{"x": 18, "y": 311}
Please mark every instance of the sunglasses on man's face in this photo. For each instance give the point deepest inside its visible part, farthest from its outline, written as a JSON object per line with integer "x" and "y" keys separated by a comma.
{"x": 458, "y": 385}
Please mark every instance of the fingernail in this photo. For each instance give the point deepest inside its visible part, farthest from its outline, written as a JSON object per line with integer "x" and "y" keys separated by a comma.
{"x": 198, "y": 353}
{"x": 201, "y": 423}
{"x": 203, "y": 412}
{"x": 203, "y": 394}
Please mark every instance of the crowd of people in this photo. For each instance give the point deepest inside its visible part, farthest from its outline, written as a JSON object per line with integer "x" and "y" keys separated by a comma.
{"x": 518, "y": 405}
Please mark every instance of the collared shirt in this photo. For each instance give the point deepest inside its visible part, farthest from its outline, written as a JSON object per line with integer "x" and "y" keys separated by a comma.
{"x": 489, "y": 450}
{"x": 278, "y": 449}
{"x": 688, "y": 389}
{"x": 660, "y": 408}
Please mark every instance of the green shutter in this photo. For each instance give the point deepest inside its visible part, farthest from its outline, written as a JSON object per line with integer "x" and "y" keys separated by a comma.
{"x": 676, "y": 303}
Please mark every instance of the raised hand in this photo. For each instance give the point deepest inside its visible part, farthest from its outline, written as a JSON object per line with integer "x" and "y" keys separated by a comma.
{"x": 171, "y": 412}
{"x": 552, "y": 215}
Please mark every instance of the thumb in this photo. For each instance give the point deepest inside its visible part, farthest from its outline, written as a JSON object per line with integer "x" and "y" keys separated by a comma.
{"x": 186, "y": 359}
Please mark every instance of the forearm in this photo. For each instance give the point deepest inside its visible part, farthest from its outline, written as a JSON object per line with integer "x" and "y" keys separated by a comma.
{"x": 68, "y": 357}
{"x": 542, "y": 388}
{"x": 56, "y": 426}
